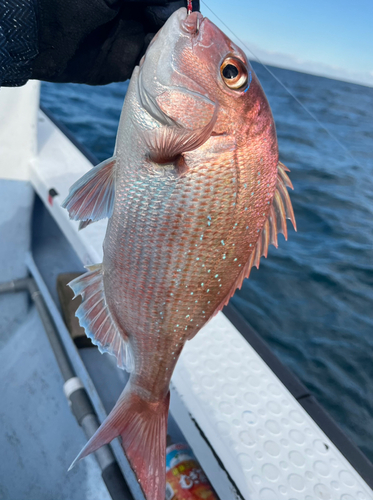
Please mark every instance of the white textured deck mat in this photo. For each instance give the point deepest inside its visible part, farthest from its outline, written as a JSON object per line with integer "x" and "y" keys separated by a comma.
{"x": 269, "y": 445}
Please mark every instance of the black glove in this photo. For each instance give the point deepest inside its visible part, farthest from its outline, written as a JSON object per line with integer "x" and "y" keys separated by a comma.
{"x": 96, "y": 41}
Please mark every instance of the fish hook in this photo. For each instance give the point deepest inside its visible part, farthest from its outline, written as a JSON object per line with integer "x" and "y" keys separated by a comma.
{"x": 189, "y": 6}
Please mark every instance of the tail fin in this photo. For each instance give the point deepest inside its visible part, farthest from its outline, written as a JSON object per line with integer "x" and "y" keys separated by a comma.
{"x": 143, "y": 428}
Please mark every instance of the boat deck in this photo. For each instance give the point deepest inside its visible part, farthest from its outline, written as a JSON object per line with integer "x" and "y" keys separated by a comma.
{"x": 40, "y": 435}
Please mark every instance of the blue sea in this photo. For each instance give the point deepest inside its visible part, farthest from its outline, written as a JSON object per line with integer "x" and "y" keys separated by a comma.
{"x": 312, "y": 299}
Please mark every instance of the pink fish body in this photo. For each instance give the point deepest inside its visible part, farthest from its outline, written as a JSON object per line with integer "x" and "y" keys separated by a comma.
{"x": 194, "y": 194}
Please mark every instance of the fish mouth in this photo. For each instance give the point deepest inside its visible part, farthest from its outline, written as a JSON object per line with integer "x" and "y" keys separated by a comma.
{"x": 192, "y": 23}
{"x": 159, "y": 75}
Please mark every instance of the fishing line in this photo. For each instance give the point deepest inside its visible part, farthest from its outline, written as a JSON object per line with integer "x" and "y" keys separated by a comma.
{"x": 285, "y": 87}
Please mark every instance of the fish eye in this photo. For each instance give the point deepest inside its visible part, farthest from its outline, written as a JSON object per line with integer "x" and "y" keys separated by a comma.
{"x": 233, "y": 73}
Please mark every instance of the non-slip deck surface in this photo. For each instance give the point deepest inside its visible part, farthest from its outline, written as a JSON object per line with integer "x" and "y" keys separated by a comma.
{"x": 268, "y": 443}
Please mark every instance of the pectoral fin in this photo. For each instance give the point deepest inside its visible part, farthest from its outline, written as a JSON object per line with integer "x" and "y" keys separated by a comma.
{"x": 194, "y": 116}
{"x": 165, "y": 144}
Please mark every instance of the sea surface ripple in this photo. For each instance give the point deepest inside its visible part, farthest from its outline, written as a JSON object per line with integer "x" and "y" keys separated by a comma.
{"x": 312, "y": 299}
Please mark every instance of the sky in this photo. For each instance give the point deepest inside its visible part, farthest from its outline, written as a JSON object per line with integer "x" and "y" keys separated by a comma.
{"x": 332, "y": 38}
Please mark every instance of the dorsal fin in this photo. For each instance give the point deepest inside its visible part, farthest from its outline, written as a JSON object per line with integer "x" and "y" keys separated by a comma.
{"x": 280, "y": 210}
{"x": 94, "y": 316}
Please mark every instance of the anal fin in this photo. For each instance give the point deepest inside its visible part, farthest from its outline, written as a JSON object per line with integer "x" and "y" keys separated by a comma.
{"x": 91, "y": 198}
{"x": 95, "y": 317}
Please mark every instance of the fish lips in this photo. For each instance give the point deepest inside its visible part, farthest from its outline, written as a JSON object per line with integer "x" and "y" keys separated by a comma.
{"x": 191, "y": 24}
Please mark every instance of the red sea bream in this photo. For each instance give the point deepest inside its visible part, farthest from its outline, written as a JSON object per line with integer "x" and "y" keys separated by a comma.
{"x": 194, "y": 194}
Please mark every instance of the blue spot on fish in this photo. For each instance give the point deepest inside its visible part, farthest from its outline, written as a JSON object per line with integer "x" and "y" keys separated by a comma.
{"x": 222, "y": 242}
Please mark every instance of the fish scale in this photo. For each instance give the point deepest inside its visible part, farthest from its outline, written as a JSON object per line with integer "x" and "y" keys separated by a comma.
{"x": 194, "y": 195}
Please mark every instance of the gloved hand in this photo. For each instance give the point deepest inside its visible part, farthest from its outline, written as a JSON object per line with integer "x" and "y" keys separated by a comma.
{"x": 96, "y": 41}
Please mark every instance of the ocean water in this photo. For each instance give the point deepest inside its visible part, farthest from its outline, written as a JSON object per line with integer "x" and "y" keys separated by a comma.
{"x": 312, "y": 299}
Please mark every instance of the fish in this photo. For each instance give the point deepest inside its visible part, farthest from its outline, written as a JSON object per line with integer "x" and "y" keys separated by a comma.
{"x": 194, "y": 193}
